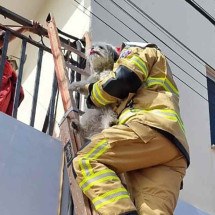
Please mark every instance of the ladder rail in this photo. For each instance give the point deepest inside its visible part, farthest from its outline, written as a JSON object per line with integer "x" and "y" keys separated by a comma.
{"x": 69, "y": 139}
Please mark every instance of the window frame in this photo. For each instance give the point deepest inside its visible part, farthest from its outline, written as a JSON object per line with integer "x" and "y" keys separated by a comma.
{"x": 210, "y": 75}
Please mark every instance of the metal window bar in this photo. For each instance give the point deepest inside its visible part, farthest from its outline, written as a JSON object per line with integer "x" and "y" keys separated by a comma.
{"x": 4, "y": 55}
{"x": 36, "y": 86}
{"x": 25, "y": 41}
{"x": 78, "y": 75}
{"x": 53, "y": 105}
{"x": 19, "y": 79}
{"x": 42, "y": 31}
{"x": 21, "y": 36}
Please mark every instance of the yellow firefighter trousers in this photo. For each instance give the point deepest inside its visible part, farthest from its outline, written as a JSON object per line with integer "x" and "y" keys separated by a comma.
{"x": 155, "y": 169}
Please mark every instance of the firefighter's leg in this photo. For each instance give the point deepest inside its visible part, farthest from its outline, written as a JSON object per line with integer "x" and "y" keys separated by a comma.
{"x": 155, "y": 189}
{"x": 100, "y": 183}
{"x": 117, "y": 149}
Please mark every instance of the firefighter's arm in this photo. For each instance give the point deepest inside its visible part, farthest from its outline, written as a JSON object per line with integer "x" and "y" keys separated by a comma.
{"x": 132, "y": 70}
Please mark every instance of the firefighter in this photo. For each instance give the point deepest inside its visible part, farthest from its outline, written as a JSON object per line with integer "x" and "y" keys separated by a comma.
{"x": 148, "y": 143}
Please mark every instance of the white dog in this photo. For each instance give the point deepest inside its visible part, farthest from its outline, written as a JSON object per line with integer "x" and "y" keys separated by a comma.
{"x": 101, "y": 59}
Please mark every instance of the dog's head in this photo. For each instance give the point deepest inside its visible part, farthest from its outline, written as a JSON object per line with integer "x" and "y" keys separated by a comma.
{"x": 101, "y": 56}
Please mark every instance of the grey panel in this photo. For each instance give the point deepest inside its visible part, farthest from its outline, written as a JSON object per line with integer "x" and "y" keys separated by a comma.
{"x": 30, "y": 163}
{"x": 184, "y": 208}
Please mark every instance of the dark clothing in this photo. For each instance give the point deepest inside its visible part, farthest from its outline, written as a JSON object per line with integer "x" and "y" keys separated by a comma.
{"x": 7, "y": 90}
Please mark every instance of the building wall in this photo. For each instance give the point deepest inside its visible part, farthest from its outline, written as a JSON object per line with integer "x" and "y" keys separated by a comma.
{"x": 111, "y": 24}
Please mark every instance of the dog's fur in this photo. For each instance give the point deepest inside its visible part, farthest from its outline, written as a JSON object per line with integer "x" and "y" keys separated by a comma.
{"x": 101, "y": 58}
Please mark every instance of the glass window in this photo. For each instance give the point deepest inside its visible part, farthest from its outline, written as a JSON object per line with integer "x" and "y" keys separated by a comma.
{"x": 211, "y": 101}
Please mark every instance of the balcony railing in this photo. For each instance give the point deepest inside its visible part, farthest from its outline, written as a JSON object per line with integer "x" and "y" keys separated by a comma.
{"x": 75, "y": 65}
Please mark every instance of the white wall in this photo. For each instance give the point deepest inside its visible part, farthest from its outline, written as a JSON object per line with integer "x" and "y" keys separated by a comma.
{"x": 199, "y": 35}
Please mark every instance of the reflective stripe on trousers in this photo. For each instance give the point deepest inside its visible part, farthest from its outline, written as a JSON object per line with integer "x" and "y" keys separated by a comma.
{"x": 92, "y": 179}
{"x": 111, "y": 196}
